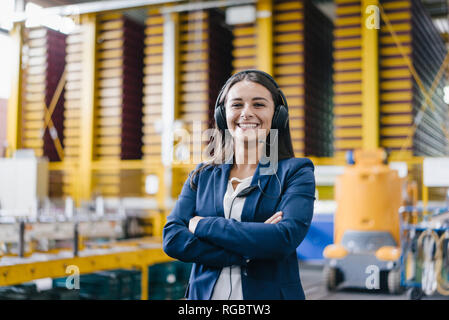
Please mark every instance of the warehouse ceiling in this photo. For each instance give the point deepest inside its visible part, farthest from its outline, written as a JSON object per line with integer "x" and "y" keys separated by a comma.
{"x": 52, "y": 3}
{"x": 438, "y": 9}
{"x": 135, "y": 14}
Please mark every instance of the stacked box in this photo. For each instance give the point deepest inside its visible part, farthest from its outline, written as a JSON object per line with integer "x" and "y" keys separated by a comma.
{"x": 25, "y": 291}
{"x": 244, "y": 47}
{"x": 302, "y": 39}
{"x": 29, "y": 291}
{"x": 318, "y": 82}
{"x": 401, "y": 96}
{"x": 44, "y": 63}
{"x": 205, "y": 64}
{"x": 166, "y": 281}
{"x": 204, "y": 60}
{"x": 396, "y": 81}
{"x": 118, "y": 132}
{"x": 428, "y": 53}
{"x": 63, "y": 294}
{"x": 152, "y": 87}
{"x": 72, "y": 113}
{"x": 220, "y": 46}
{"x": 152, "y": 95}
{"x": 194, "y": 77}
{"x": 288, "y": 60}
{"x": 347, "y": 77}
{"x": 120, "y": 284}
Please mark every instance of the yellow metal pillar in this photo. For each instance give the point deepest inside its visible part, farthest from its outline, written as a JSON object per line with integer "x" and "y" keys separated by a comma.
{"x": 15, "y": 102}
{"x": 176, "y": 69}
{"x": 265, "y": 35}
{"x": 370, "y": 74}
{"x": 89, "y": 25}
{"x": 144, "y": 282}
{"x": 425, "y": 198}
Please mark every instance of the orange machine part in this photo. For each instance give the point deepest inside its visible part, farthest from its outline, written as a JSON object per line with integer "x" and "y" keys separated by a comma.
{"x": 368, "y": 196}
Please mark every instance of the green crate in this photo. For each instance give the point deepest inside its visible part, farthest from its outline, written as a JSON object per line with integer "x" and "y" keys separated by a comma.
{"x": 165, "y": 281}
{"x": 60, "y": 293}
{"x": 162, "y": 273}
{"x": 129, "y": 283}
{"x": 167, "y": 292}
{"x": 94, "y": 286}
{"x": 183, "y": 271}
{"x": 120, "y": 284}
{"x": 23, "y": 291}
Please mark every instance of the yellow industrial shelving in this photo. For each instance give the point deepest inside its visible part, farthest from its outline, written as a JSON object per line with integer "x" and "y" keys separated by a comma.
{"x": 274, "y": 42}
{"x": 130, "y": 254}
{"x": 347, "y": 77}
{"x": 288, "y": 42}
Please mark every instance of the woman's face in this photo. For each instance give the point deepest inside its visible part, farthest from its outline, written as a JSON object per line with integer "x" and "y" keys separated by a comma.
{"x": 249, "y": 108}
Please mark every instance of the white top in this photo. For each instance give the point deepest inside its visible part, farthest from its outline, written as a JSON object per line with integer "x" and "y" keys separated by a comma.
{"x": 231, "y": 274}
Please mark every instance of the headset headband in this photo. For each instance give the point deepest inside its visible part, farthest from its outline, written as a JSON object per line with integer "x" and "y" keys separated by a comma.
{"x": 266, "y": 75}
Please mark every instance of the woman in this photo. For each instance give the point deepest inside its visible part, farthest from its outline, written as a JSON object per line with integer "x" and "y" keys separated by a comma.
{"x": 239, "y": 225}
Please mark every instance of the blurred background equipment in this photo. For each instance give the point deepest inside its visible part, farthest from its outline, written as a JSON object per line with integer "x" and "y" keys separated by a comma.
{"x": 24, "y": 184}
{"x": 366, "y": 224}
{"x": 104, "y": 107}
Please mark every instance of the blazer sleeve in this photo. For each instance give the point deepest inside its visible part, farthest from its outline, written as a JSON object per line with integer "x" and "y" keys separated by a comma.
{"x": 256, "y": 240}
{"x": 181, "y": 244}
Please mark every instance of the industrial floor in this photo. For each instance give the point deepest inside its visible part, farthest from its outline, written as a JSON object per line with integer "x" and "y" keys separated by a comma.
{"x": 313, "y": 285}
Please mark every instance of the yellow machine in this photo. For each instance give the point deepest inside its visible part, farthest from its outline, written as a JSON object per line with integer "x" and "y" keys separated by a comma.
{"x": 366, "y": 250}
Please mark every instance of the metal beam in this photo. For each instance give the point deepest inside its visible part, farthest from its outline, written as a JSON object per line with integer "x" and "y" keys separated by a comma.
{"x": 89, "y": 29}
{"x": 92, "y": 7}
{"x": 169, "y": 99}
{"x": 205, "y": 5}
{"x": 91, "y": 261}
{"x": 370, "y": 74}
{"x": 14, "y": 110}
{"x": 264, "y": 27}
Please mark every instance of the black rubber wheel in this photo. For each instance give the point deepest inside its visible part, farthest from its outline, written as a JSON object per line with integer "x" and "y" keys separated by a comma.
{"x": 415, "y": 294}
{"x": 332, "y": 278}
{"x": 394, "y": 281}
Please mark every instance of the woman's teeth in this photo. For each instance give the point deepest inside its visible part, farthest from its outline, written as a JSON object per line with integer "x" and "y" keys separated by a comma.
{"x": 247, "y": 126}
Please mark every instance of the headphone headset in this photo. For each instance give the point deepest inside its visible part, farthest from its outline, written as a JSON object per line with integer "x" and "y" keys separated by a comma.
{"x": 280, "y": 117}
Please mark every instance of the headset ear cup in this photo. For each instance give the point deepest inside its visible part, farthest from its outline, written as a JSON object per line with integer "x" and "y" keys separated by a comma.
{"x": 220, "y": 118}
{"x": 280, "y": 118}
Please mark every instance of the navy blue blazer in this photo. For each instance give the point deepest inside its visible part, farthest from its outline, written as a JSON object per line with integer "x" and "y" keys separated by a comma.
{"x": 266, "y": 253}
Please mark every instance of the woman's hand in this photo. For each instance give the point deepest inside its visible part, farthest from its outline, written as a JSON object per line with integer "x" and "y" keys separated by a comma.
{"x": 193, "y": 223}
{"x": 275, "y": 218}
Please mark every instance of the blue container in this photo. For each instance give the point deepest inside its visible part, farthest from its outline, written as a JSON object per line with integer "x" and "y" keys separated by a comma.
{"x": 321, "y": 234}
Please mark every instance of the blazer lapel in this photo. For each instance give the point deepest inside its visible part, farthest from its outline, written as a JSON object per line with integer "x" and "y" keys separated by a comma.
{"x": 221, "y": 178}
{"x": 250, "y": 205}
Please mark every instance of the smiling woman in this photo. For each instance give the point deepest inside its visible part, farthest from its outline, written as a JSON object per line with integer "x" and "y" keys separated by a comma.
{"x": 238, "y": 222}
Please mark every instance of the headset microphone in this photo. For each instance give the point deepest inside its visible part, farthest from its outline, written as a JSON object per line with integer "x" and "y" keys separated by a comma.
{"x": 245, "y": 192}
